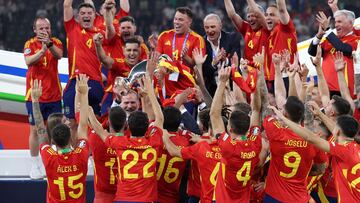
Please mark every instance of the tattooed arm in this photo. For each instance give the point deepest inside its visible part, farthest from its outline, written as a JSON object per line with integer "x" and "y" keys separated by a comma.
{"x": 36, "y": 91}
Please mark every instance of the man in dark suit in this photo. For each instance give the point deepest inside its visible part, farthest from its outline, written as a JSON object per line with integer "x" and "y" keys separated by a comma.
{"x": 220, "y": 47}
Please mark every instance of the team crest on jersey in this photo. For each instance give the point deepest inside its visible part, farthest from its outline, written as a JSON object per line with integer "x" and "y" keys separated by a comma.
{"x": 168, "y": 43}
{"x": 82, "y": 144}
{"x": 256, "y": 131}
{"x": 27, "y": 51}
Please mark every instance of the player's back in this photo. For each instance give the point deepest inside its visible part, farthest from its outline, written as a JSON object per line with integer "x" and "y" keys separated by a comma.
{"x": 137, "y": 166}
{"x": 66, "y": 173}
{"x": 239, "y": 159}
{"x": 170, "y": 171}
{"x": 291, "y": 161}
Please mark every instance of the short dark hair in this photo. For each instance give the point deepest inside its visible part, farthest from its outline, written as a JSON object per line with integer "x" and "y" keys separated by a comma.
{"x": 117, "y": 118}
{"x": 185, "y": 10}
{"x": 61, "y": 135}
{"x": 172, "y": 118}
{"x": 86, "y": 5}
{"x": 341, "y": 105}
{"x": 294, "y": 107}
{"x": 127, "y": 19}
{"x": 348, "y": 125}
{"x": 239, "y": 122}
{"x": 132, "y": 40}
{"x": 242, "y": 106}
{"x": 204, "y": 117}
{"x": 138, "y": 123}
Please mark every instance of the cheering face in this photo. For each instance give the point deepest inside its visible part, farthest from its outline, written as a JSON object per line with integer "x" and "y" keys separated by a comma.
{"x": 329, "y": 108}
{"x": 86, "y": 17}
{"x": 212, "y": 28}
{"x": 182, "y": 23}
{"x": 42, "y": 27}
{"x": 127, "y": 30}
{"x": 271, "y": 17}
{"x": 342, "y": 25}
{"x": 130, "y": 103}
{"x": 253, "y": 20}
{"x": 132, "y": 53}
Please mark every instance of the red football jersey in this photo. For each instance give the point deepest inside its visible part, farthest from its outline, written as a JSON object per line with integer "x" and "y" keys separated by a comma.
{"x": 137, "y": 166}
{"x": 345, "y": 163}
{"x": 170, "y": 171}
{"x": 100, "y": 20}
{"x": 105, "y": 165}
{"x": 290, "y": 164}
{"x": 166, "y": 44}
{"x": 66, "y": 173}
{"x": 281, "y": 37}
{"x": 193, "y": 182}
{"x": 253, "y": 40}
{"x": 81, "y": 51}
{"x": 46, "y": 70}
{"x": 328, "y": 66}
{"x": 208, "y": 158}
{"x": 239, "y": 159}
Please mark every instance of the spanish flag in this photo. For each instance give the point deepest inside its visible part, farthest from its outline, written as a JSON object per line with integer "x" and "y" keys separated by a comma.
{"x": 247, "y": 86}
{"x": 176, "y": 66}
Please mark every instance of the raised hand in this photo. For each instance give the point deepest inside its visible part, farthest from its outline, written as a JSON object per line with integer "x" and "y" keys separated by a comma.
{"x": 153, "y": 40}
{"x": 184, "y": 51}
{"x": 259, "y": 58}
{"x": 235, "y": 60}
{"x": 303, "y": 71}
{"x": 152, "y": 62}
{"x": 339, "y": 61}
{"x": 314, "y": 107}
{"x": 219, "y": 56}
{"x": 317, "y": 59}
{"x": 276, "y": 58}
{"x": 324, "y": 23}
{"x": 333, "y": 3}
{"x": 36, "y": 90}
{"x": 198, "y": 56}
{"x": 109, "y": 4}
{"x": 120, "y": 87}
{"x": 224, "y": 74}
{"x": 277, "y": 112}
{"x": 81, "y": 83}
{"x": 182, "y": 98}
{"x": 98, "y": 39}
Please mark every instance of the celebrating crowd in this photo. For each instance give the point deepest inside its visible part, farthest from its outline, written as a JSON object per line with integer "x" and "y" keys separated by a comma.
{"x": 235, "y": 124}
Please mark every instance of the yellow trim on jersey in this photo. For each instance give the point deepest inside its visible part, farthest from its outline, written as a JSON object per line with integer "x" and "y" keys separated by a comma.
{"x": 143, "y": 45}
{"x": 109, "y": 88}
{"x": 189, "y": 76}
{"x": 321, "y": 194}
{"x": 201, "y": 39}
{"x": 73, "y": 64}
{"x": 27, "y": 96}
{"x": 166, "y": 32}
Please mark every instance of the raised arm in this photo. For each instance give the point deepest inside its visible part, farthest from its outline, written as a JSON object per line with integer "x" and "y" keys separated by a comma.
{"x": 340, "y": 68}
{"x": 280, "y": 90}
{"x": 314, "y": 108}
{"x": 256, "y": 97}
{"x": 106, "y": 60}
{"x": 36, "y": 92}
{"x": 151, "y": 64}
{"x": 216, "y": 107}
{"x": 235, "y": 18}
{"x": 306, "y": 134}
{"x": 109, "y": 18}
{"x": 284, "y": 14}
{"x": 96, "y": 125}
{"x": 322, "y": 84}
{"x": 83, "y": 89}
{"x": 333, "y": 4}
{"x": 170, "y": 146}
{"x": 68, "y": 10}
{"x": 199, "y": 61}
{"x": 125, "y": 5}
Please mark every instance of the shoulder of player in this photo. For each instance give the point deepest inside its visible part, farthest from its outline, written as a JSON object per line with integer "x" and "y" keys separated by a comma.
{"x": 56, "y": 40}
{"x": 166, "y": 32}
{"x": 30, "y": 41}
{"x": 196, "y": 35}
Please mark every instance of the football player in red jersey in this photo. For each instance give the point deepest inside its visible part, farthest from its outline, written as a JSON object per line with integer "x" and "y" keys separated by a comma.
{"x": 241, "y": 147}
{"x": 137, "y": 153}
{"x": 178, "y": 43}
{"x": 344, "y": 150}
{"x": 66, "y": 168}
{"x": 42, "y": 53}
{"x": 82, "y": 57}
